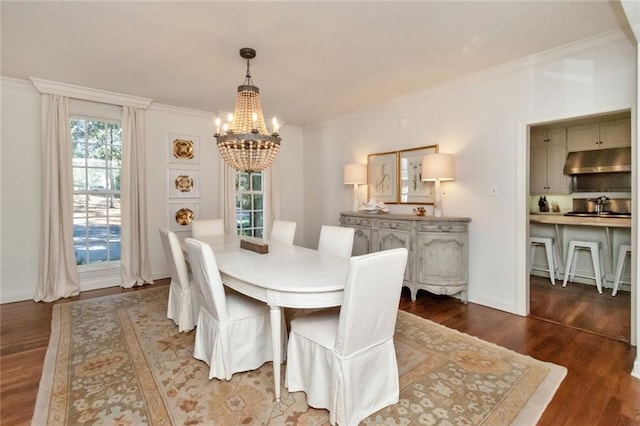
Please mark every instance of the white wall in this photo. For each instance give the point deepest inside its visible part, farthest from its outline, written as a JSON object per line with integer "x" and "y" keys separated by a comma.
{"x": 20, "y": 179}
{"x": 483, "y": 121}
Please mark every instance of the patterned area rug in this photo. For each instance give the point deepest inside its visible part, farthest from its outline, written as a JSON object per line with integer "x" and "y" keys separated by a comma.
{"x": 119, "y": 360}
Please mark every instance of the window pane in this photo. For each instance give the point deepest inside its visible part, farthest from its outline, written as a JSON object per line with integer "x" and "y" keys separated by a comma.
{"x": 257, "y": 202}
{"x": 242, "y": 182}
{"x": 256, "y": 182}
{"x": 246, "y": 202}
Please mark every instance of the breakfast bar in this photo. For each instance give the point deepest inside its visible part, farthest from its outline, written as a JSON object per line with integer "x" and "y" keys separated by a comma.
{"x": 611, "y": 231}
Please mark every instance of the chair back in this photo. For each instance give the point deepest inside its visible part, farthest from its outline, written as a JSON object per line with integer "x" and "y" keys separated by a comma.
{"x": 336, "y": 240}
{"x": 175, "y": 256}
{"x": 207, "y": 277}
{"x": 371, "y": 298}
{"x": 283, "y": 231}
{"x": 207, "y": 227}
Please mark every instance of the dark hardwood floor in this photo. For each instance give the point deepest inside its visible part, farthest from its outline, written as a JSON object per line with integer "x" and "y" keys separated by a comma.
{"x": 598, "y": 389}
{"x": 581, "y": 306}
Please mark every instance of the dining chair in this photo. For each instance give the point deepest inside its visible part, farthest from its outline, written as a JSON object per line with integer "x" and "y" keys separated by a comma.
{"x": 336, "y": 240}
{"x": 207, "y": 227}
{"x": 345, "y": 360}
{"x": 283, "y": 231}
{"x": 233, "y": 332}
{"x": 184, "y": 298}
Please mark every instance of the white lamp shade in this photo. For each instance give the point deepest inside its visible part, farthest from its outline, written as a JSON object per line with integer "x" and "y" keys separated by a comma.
{"x": 437, "y": 167}
{"x": 355, "y": 174}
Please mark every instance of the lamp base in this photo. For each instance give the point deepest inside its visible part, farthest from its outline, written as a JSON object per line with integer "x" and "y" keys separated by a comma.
{"x": 356, "y": 201}
{"x": 437, "y": 204}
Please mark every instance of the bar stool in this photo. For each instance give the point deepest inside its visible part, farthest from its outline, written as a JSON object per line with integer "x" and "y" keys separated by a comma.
{"x": 622, "y": 256}
{"x": 547, "y": 243}
{"x": 572, "y": 258}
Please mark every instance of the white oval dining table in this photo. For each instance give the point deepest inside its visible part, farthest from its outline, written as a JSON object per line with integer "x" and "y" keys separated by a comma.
{"x": 287, "y": 276}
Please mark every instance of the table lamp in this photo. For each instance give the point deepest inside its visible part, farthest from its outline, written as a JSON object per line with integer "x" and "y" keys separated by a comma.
{"x": 437, "y": 167}
{"x": 355, "y": 174}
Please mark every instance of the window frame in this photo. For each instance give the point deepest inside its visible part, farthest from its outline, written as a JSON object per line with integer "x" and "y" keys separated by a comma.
{"x": 87, "y": 192}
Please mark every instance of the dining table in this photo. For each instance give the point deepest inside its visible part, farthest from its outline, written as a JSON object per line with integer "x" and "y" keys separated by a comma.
{"x": 287, "y": 276}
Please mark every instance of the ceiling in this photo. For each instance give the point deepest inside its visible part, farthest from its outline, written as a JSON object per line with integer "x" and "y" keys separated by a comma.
{"x": 315, "y": 60}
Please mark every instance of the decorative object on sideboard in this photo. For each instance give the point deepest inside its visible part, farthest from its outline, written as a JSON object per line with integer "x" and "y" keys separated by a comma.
{"x": 355, "y": 174}
{"x": 437, "y": 167}
{"x": 420, "y": 211}
{"x": 374, "y": 206}
{"x": 245, "y": 144}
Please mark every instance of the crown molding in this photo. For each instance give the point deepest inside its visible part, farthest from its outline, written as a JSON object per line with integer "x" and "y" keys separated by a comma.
{"x": 90, "y": 94}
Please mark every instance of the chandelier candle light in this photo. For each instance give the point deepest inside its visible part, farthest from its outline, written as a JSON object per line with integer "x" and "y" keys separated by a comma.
{"x": 437, "y": 167}
{"x": 245, "y": 144}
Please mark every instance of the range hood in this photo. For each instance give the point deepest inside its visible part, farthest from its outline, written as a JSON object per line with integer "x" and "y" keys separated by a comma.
{"x": 598, "y": 161}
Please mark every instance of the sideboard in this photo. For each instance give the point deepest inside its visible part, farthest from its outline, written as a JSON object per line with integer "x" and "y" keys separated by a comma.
{"x": 437, "y": 247}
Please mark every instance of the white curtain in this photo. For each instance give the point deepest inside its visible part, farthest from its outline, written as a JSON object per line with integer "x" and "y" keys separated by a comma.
{"x": 134, "y": 263}
{"x": 227, "y": 208}
{"x": 272, "y": 196}
{"x": 58, "y": 274}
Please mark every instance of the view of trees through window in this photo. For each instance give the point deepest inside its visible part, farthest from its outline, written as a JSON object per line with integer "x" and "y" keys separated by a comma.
{"x": 250, "y": 204}
{"x": 97, "y": 157}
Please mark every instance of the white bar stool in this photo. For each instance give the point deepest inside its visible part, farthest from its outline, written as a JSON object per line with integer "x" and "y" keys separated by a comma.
{"x": 622, "y": 256}
{"x": 572, "y": 258}
{"x": 547, "y": 243}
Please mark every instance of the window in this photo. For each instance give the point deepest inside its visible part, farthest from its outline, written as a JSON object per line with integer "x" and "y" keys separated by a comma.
{"x": 250, "y": 204}
{"x": 97, "y": 155}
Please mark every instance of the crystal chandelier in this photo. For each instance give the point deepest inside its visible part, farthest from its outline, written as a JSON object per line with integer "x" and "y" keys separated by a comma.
{"x": 245, "y": 144}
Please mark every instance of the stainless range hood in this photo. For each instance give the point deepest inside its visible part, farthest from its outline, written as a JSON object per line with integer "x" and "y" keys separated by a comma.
{"x": 598, "y": 161}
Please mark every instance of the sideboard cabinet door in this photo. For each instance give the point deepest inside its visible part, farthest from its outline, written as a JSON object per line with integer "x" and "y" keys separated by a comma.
{"x": 441, "y": 264}
{"x": 393, "y": 234}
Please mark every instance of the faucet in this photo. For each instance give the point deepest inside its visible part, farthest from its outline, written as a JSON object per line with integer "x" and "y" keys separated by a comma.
{"x": 601, "y": 202}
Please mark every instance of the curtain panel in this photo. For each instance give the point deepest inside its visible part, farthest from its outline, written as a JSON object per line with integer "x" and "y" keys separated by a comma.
{"x": 135, "y": 264}
{"x": 58, "y": 273}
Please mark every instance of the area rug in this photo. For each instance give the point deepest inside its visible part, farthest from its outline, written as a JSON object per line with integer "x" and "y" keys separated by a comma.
{"x": 118, "y": 360}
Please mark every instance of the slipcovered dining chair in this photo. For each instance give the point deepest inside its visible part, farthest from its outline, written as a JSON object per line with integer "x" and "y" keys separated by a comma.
{"x": 283, "y": 231}
{"x": 207, "y": 227}
{"x": 233, "y": 332}
{"x": 336, "y": 240}
{"x": 184, "y": 299}
{"x": 345, "y": 360}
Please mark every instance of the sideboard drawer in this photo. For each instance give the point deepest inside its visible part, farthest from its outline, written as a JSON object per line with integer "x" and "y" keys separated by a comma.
{"x": 401, "y": 225}
{"x": 357, "y": 221}
{"x": 442, "y": 227}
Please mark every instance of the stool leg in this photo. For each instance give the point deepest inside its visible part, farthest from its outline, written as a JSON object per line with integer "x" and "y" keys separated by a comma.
{"x": 619, "y": 268}
{"x": 548, "y": 248}
{"x": 532, "y": 252}
{"x": 595, "y": 259}
{"x": 567, "y": 264}
{"x": 574, "y": 263}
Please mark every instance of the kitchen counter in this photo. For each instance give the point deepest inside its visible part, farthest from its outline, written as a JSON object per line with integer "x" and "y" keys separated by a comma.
{"x": 561, "y": 219}
{"x": 611, "y": 232}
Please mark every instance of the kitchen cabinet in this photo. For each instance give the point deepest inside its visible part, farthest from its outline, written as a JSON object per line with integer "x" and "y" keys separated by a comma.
{"x": 437, "y": 248}
{"x": 548, "y": 154}
{"x": 602, "y": 135}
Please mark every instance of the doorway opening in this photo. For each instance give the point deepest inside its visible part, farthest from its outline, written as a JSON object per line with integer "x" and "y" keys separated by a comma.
{"x": 552, "y": 194}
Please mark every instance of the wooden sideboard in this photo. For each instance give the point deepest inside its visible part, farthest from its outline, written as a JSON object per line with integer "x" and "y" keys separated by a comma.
{"x": 437, "y": 247}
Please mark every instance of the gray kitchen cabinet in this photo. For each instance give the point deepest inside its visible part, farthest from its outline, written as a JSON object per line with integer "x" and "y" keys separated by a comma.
{"x": 602, "y": 135}
{"x": 548, "y": 154}
{"x": 437, "y": 247}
